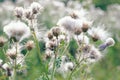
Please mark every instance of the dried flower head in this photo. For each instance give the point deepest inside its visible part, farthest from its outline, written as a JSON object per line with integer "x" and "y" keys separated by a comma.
{"x": 36, "y": 7}
{"x": 17, "y": 30}
{"x": 30, "y": 45}
{"x": 19, "y": 12}
{"x": 2, "y": 41}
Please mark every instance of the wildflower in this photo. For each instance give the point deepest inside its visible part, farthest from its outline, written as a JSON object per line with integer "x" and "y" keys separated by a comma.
{"x": 18, "y": 12}
{"x": 2, "y": 41}
{"x": 30, "y": 45}
{"x": 17, "y": 30}
{"x": 36, "y": 7}
{"x": 98, "y": 34}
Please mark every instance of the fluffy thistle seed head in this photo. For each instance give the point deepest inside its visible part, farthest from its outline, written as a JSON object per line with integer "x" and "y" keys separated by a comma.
{"x": 2, "y": 41}
{"x": 86, "y": 26}
{"x": 36, "y": 7}
{"x": 28, "y": 14}
{"x": 98, "y": 34}
{"x": 18, "y": 12}
{"x": 17, "y": 30}
{"x": 30, "y": 45}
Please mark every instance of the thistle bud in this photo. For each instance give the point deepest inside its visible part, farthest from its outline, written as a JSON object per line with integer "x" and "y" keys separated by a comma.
{"x": 49, "y": 35}
{"x": 95, "y": 38}
{"x": 30, "y": 45}
{"x": 73, "y": 15}
{"x": 85, "y": 27}
{"x": 77, "y": 31}
{"x": 56, "y": 31}
{"x": 18, "y": 12}
{"x": 51, "y": 45}
{"x": 2, "y": 41}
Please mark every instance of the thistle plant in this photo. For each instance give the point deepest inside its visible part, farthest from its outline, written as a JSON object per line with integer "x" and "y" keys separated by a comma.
{"x": 57, "y": 59}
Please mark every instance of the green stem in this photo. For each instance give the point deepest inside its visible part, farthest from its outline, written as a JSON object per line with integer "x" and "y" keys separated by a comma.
{"x": 53, "y": 70}
{"x": 15, "y": 64}
{"x": 37, "y": 45}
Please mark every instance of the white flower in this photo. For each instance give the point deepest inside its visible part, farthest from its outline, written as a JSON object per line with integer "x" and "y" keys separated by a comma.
{"x": 17, "y": 30}
{"x": 98, "y": 33}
